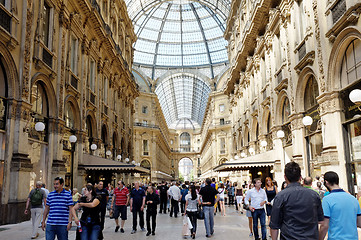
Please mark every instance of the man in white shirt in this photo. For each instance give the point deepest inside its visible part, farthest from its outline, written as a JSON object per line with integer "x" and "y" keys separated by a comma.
{"x": 258, "y": 200}
{"x": 175, "y": 194}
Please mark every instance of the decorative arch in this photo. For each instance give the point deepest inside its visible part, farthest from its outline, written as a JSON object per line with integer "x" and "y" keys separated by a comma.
{"x": 305, "y": 76}
{"x": 48, "y": 87}
{"x": 343, "y": 39}
{"x": 222, "y": 161}
{"x": 145, "y": 163}
{"x": 11, "y": 72}
{"x": 70, "y": 99}
{"x": 282, "y": 98}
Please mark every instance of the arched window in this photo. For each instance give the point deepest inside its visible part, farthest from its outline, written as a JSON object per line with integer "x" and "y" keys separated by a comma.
{"x": 69, "y": 116}
{"x": 257, "y": 132}
{"x": 40, "y": 110}
{"x": 145, "y": 164}
{"x": 351, "y": 63}
{"x": 311, "y": 93}
{"x": 115, "y": 145}
{"x": 269, "y": 124}
{"x": 3, "y": 97}
{"x": 185, "y": 142}
{"x": 285, "y": 111}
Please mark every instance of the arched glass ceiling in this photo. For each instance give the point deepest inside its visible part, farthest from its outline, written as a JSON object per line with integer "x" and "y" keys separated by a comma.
{"x": 183, "y": 96}
{"x": 179, "y": 34}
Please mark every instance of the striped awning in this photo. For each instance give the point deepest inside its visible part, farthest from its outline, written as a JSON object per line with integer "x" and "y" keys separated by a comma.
{"x": 91, "y": 162}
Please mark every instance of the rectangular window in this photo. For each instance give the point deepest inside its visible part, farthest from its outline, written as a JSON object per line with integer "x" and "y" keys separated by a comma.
{"x": 221, "y": 108}
{"x": 105, "y": 90}
{"x": 74, "y": 55}
{"x": 223, "y": 145}
{"x": 145, "y": 147}
{"x": 145, "y": 109}
{"x": 92, "y": 76}
{"x": 221, "y": 121}
{"x": 46, "y": 25}
{"x": 145, "y": 122}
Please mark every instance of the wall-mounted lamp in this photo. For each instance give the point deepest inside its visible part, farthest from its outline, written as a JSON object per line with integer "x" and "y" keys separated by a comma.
{"x": 93, "y": 147}
{"x": 108, "y": 153}
{"x": 119, "y": 157}
{"x": 355, "y": 97}
{"x": 236, "y": 157}
{"x": 264, "y": 143}
{"x": 39, "y": 126}
{"x": 251, "y": 150}
{"x": 133, "y": 162}
{"x": 280, "y": 134}
{"x": 243, "y": 155}
{"x": 127, "y": 160}
{"x": 73, "y": 139}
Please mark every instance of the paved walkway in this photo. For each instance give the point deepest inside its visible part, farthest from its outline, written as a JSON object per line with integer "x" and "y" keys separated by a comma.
{"x": 232, "y": 226}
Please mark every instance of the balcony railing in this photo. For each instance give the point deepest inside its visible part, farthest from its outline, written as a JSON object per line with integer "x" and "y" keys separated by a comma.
{"x": 301, "y": 51}
{"x": 47, "y": 58}
{"x": 140, "y": 124}
{"x": 73, "y": 81}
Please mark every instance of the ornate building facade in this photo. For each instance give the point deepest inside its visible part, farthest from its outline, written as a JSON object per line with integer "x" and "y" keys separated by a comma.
{"x": 292, "y": 67}
{"x": 67, "y": 94}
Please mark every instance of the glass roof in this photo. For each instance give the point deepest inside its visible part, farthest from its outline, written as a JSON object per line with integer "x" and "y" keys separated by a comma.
{"x": 183, "y": 97}
{"x": 179, "y": 34}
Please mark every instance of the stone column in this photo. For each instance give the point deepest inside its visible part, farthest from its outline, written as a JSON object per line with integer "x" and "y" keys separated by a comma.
{"x": 334, "y": 147}
{"x": 298, "y": 142}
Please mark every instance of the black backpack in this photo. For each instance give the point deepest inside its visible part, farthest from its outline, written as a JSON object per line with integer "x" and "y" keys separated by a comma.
{"x": 36, "y": 198}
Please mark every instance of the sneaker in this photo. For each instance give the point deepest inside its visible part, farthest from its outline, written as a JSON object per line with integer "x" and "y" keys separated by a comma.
{"x": 148, "y": 233}
{"x": 36, "y": 236}
{"x": 153, "y": 233}
{"x": 122, "y": 230}
{"x": 143, "y": 229}
{"x": 250, "y": 235}
{"x": 117, "y": 228}
{"x": 208, "y": 236}
{"x": 133, "y": 231}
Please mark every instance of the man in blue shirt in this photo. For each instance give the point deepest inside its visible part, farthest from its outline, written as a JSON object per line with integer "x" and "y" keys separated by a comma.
{"x": 137, "y": 202}
{"x": 341, "y": 210}
{"x": 58, "y": 206}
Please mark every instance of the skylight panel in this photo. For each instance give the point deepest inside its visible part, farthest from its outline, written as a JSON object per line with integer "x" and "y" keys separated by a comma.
{"x": 144, "y": 58}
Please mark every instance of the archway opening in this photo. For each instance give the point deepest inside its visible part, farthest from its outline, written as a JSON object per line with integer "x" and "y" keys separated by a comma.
{"x": 185, "y": 167}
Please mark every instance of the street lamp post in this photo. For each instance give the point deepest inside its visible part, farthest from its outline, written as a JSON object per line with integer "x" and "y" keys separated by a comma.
{"x": 72, "y": 140}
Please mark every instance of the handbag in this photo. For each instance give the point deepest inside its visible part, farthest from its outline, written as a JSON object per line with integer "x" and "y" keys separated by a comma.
{"x": 245, "y": 206}
{"x": 200, "y": 213}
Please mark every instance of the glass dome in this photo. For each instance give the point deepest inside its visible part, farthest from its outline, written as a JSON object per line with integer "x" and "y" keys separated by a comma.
{"x": 183, "y": 99}
{"x": 179, "y": 34}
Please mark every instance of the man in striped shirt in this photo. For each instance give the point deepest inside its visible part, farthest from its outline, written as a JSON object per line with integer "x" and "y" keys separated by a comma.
{"x": 121, "y": 195}
{"x": 58, "y": 206}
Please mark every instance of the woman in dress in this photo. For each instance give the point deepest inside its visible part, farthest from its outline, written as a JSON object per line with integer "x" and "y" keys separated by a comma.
{"x": 192, "y": 202}
{"x": 90, "y": 219}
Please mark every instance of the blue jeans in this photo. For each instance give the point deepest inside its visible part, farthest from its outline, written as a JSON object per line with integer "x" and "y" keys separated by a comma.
{"x": 208, "y": 219}
{"x": 261, "y": 215}
{"x": 90, "y": 232}
{"x": 56, "y": 230}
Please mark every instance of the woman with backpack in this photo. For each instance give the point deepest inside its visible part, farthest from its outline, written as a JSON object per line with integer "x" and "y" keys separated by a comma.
{"x": 90, "y": 219}
{"x": 221, "y": 199}
{"x": 192, "y": 202}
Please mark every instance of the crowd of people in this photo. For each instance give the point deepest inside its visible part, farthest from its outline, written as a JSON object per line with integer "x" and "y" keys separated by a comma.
{"x": 301, "y": 209}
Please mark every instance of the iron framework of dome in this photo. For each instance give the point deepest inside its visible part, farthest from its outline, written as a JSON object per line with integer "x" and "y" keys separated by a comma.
{"x": 179, "y": 34}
